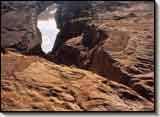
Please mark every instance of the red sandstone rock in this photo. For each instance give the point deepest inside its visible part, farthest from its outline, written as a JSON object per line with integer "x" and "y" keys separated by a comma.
{"x": 52, "y": 87}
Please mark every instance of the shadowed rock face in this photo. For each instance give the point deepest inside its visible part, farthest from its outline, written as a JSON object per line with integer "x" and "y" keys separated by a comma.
{"x": 118, "y": 43}
{"x": 65, "y": 15}
{"x": 19, "y": 25}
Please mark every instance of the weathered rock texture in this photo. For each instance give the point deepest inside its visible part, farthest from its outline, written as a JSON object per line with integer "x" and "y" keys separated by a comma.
{"x": 117, "y": 42}
{"x": 19, "y": 25}
{"x": 39, "y": 85}
{"x": 116, "y": 45}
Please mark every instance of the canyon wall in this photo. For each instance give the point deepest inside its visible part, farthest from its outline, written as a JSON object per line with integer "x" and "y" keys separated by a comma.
{"x": 112, "y": 41}
{"x": 19, "y": 25}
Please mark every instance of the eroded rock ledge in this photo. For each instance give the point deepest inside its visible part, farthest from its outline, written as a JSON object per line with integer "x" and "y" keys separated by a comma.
{"x": 39, "y": 85}
{"x": 116, "y": 42}
{"x": 119, "y": 46}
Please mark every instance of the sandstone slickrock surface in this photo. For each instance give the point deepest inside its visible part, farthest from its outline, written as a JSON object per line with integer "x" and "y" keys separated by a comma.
{"x": 113, "y": 42}
{"x": 39, "y": 85}
{"x": 118, "y": 42}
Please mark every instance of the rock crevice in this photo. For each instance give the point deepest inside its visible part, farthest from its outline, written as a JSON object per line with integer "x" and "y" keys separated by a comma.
{"x": 112, "y": 39}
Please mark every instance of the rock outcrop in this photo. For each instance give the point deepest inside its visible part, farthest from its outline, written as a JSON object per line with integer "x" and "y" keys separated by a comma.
{"x": 118, "y": 43}
{"x": 65, "y": 17}
{"x": 19, "y": 25}
{"x": 113, "y": 42}
{"x": 39, "y": 85}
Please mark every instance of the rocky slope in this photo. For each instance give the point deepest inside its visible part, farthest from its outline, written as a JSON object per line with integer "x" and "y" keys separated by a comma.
{"x": 117, "y": 42}
{"x": 39, "y": 85}
{"x": 113, "y": 42}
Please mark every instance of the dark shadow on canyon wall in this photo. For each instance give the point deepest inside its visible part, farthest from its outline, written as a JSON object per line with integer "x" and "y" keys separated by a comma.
{"x": 113, "y": 39}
